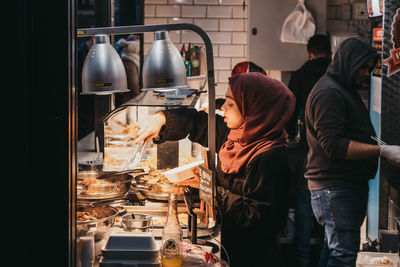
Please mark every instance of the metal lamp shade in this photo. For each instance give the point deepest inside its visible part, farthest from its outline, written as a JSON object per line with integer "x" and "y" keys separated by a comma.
{"x": 103, "y": 71}
{"x": 163, "y": 67}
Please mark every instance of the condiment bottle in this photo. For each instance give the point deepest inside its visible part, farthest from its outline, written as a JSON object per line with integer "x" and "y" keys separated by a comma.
{"x": 195, "y": 61}
{"x": 171, "y": 253}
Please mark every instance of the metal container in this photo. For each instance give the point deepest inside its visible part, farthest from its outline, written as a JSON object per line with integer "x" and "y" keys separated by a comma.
{"x": 115, "y": 186}
{"x": 90, "y": 165}
{"x": 163, "y": 67}
{"x": 104, "y": 220}
{"x": 158, "y": 192}
{"x": 137, "y": 223}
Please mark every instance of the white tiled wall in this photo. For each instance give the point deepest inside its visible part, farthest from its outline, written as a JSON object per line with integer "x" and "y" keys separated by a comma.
{"x": 341, "y": 18}
{"x": 224, "y": 20}
{"x": 226, "y": 23}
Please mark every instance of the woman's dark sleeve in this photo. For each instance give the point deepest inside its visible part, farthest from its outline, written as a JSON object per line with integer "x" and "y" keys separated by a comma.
{"x": 183, "y": 122}
{"x": 263, "y": 193}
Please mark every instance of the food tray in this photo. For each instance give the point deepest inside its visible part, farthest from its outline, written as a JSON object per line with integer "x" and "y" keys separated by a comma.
{"x": 128, "y": 245}
{"x": 364, "y": 259}
{"x": 182, "y": 173}
{"x": 137, "y": 263}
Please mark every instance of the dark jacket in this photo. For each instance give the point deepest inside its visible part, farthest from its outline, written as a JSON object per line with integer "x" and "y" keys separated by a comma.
{"x": 301, "y": 82}
{"x": 253, "y": 203}
{"x": 336, "y": 114}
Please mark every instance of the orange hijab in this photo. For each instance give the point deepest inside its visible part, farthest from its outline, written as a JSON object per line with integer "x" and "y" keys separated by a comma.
{"x": 266, "y": 106}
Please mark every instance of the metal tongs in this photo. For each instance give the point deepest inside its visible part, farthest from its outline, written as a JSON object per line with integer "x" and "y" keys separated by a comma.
{"x": 133, "y": 161}
{"x": 136, "y": 155}
{"x": 379, "y": 141}
{"x": 112, "y": 174}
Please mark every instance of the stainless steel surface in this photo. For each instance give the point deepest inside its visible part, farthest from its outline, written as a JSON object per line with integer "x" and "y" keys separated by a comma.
{"x": 163, "y": 67}
{"x": 103, "y": 72}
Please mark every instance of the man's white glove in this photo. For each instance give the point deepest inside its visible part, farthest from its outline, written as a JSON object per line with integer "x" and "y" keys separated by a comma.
{"x": 391, "y": 153}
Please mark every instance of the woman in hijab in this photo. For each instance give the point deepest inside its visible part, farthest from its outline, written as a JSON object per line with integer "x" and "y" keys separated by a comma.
{"x": 253, "y": 171}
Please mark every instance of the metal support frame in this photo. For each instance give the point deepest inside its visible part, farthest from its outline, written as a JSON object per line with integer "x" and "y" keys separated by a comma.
{"x": 210, "y": 71}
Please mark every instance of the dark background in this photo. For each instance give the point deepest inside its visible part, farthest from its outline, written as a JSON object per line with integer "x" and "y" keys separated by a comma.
{"x": 41, "y": 53}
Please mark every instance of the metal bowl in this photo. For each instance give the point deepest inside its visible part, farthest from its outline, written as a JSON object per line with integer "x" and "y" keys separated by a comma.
{"x": 105, "y": 219}
{"x": 137, "y": 223}
{"x": 115, "y": 186}
{"x": 90, "y": 165}
{"x": 99, "y": 228}
{"x": 158, "y": 192}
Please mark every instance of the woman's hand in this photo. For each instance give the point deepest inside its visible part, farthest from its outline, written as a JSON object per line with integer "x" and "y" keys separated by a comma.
{"x": 150, "y": 127}
{"x": 192, "y": 182}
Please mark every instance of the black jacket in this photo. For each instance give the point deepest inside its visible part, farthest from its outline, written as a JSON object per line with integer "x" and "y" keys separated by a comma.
{"x": 301, "y": 82}
{"x": 253, "y": 203}
{"x": 336, "y": 114}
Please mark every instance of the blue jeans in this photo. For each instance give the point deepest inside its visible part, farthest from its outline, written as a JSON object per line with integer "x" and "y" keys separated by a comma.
{"x": 341, "y": 211}
{"x": 303, "y": 228}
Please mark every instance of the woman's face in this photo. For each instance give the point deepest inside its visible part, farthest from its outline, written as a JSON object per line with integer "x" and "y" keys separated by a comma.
{"x": 233, "y": 117}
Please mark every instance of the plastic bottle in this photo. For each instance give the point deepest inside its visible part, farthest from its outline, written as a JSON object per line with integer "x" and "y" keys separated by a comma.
{"x": 188, "y": 67}
{"x": 186, "y": 59}
{"x": 171, "y": 251}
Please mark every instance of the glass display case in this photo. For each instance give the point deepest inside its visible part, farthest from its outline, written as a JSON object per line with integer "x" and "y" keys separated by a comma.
{"x": 121, "y": 126}
{"x": 149, "y": 189}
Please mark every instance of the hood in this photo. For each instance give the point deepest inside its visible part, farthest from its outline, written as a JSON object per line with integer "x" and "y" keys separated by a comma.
{"x": 351, "y": 55}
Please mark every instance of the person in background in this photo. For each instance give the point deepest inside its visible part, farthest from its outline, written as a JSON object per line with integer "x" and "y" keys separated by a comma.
{"x": 342, "y": 155}
{"x": 130, "y": 48}
{"x": 301, "y": 82}
{"x": 241, "y": 67}
{"x": 252, "y": 172}
{"x": 246, "y": 66}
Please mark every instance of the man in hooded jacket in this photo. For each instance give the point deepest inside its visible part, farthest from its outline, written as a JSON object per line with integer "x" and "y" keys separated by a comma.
{"x": 342, "y": 156}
